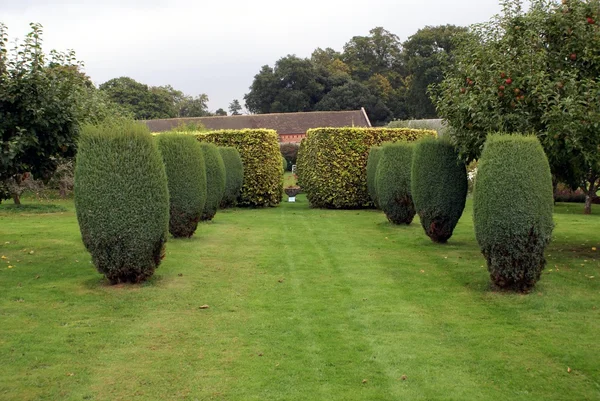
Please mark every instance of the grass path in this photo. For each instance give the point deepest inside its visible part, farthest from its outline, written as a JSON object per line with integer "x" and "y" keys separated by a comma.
{"x": 305, "y": 304}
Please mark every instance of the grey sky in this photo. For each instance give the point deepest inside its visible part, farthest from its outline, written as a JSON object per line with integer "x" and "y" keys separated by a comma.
{"x": 217, "y": 47}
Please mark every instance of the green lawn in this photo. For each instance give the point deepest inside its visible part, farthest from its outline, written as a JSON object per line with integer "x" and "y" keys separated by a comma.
{"x": 305, "y": 304}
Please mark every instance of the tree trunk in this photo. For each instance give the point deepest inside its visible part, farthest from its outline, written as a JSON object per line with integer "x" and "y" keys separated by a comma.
{"x": 590, "y": 192}
{"x": 588, "y": 204}
{"x": 16, "y": 199}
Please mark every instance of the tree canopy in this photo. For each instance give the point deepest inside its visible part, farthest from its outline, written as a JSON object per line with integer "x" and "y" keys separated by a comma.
{"x": 533, "y": 71}
{"x": 373, "y": 71}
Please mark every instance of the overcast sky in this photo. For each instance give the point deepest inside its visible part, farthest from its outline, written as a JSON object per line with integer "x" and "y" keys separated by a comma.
{"x": 217, "y": 47}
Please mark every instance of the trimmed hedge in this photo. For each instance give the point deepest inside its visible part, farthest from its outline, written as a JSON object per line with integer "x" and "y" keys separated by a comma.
{"x": 512, "y": 209}
{"x": 393, "y": 182}
{"x": 215, "y": 179}
{"x": 372, "y": 161}
{"x": 121, "y": 200}
{"x": 186, "y": 176}
{"x": 439, "y": 187}
{"x": 259, "y": 150}
{"x": 332, "y": 163}
{"x": 234, "y": 176}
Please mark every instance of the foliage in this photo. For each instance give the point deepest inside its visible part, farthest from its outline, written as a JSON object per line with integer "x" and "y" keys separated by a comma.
{"x": 425, "y": 55}
{"x": 438, "y": 187}
{"x": 434, "y": 124}
{"x": 533, "y": 71}
{"x": 186, "y": 177}
{"x": 292, "y": 85}
{"x": 153, "y": 102}
{"x": 332, "y": 163}
{"x": 122, "y": 200}
{"x": 512, "y": 209}
{"x": 220, "y": 112}
{"x": 40, "y": 108}
{"x": 259, "y": 150}
{"x": 289, "y": 151}
{"x": 372, "y": 162}
{"x": 352, "y": 96}
{"x": 234, "y": 176}
{"x": 235, "y": 107}
{"x": 215, "y": 179}
{"x": 373, "y": 71}
{"x": 393, "y": 182}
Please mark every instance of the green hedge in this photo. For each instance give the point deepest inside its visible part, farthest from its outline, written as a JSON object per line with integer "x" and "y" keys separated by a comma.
{"x": 512, "y": 209}
{"x": 186, "y": 175}
{"x": 393, "y": 182}
{"x": 372, "y": 161}
{"x": 234, "y": 176}
{"x": 439, "y": 187}
{"x": 259, "y": 150}
{"x": 332, "y": 163}
{"x": 215, "y": 179}
{"x": 121, "y": 200}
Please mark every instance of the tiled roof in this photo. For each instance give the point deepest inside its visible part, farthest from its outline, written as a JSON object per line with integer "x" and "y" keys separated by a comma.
{"x": 283, "y": 123}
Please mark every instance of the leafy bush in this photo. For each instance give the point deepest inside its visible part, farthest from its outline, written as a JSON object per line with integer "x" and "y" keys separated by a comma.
{"x": 393, "y": 182}
{"x": 372, "y": 161}
{"x": 215, "y": 179}
{"x": 289, "y": 151}
{"x": 186, "y": 176}
{"x": 332, "y": 163}
{"x": 512, "y": 209}
{"x": 563, "y": 193}
{"x": 259, "y": 150}
{"x": 234, "y": 176}
{"x": 122, "y": 200}
{"x": 438, "y": 186}
{"x": 437, "y": 125}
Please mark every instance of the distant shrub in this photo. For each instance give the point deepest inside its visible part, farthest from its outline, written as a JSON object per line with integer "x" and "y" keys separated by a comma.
{"x": 289, "y": 151}
{"x": 563, "y": 193}
{"x": 432, "y": 124}
{"x": 438, "y": 187}
{"x": 512, "y": 209}
{"x": 215, "y": 179}
{"x": 372, "y": 161}
{"x": 332, "y": 163}
{"x": 186, "y": 176}
{"x": 122, "y": 200}
{"x": 259, "y": 150}
{"x": 234, "y": 176}
{"x": 393, "y": 182}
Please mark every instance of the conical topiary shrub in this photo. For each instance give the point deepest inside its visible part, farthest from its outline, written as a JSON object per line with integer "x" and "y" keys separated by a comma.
{"x": 393, "y": 182}
{"x": 512, "y": 209}
{"x": 215, "y": 179}
{"x": 372, "y": 161}
{"x": 234, "y": 176}
{"x": 186, "y": 176}
{"x": 438, "y": 186}
{"x": 122, "y": 200}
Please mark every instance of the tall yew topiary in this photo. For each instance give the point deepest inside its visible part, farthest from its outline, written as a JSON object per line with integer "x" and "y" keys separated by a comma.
{"x": 512, "y": 209}
{"x": 122, "y": 200}
{"x": 186, "y": 176}
{"x": 215, "y": 179}
{"x": 439, "y": 187}
{"x": 372, "y": 161}
{"x": 393, "y": 182}
{"x": 234, "y": 176}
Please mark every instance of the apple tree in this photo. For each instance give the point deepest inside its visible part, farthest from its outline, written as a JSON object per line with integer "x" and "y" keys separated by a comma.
{"x": 534, "y": 71}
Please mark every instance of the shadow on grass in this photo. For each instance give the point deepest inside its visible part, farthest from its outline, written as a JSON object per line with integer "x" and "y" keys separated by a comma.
{"x": 35, "y": 208}
{"x": 100, "y": 282}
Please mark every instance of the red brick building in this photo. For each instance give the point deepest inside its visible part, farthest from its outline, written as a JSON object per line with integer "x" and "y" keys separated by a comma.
{"x": 291, "y": 127}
